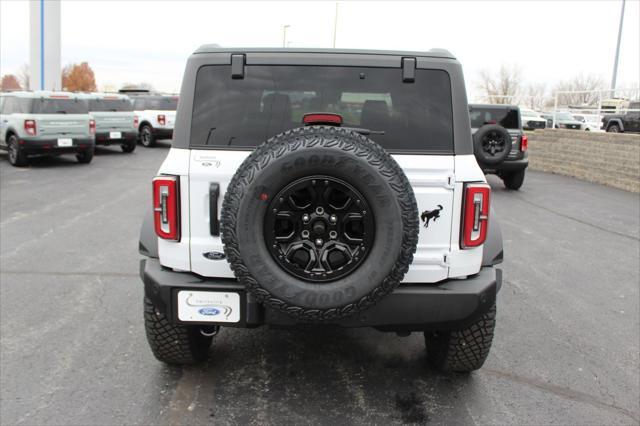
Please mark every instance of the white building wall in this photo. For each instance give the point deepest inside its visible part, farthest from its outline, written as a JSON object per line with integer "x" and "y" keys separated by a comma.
{"x": 44, "y": 45}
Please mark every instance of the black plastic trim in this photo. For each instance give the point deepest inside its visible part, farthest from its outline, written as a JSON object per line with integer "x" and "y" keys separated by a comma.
{"x": 237, "y": 66}
{"x": 214, "y": 222}
{"x": 449, "y": 304}
{"x": 409, "y": 70}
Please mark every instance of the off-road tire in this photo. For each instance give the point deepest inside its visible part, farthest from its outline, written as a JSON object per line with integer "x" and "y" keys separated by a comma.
{"x": 147, "y": 139}
{"x": 173, "y": 344}
{"x": 259, "y": 272}
{"x": 85, "y": 157}
{"x": 15, "y": 154}
{"x": 613, "y": 128}
{"x": 462, "y": 350}
{"x": 482, "y": 153}
{"x": 513, "y": 180}
{"x": 128, "y": 147}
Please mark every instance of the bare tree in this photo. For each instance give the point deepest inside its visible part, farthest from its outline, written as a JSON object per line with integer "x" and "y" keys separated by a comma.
{"x": 536, "y": 95}
{"x": 503, "y": 87}
{"x": 24, "y": 75}
{"x": 587, "y": 84}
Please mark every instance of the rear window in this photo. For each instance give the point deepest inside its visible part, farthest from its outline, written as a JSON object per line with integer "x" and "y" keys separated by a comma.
{"x": 507, "y": 118}
{"x": 158, "y": 103}
{"x": 112, "y": 105}
{"x": 59, "y": 106}
{"x": 271, "y": 99}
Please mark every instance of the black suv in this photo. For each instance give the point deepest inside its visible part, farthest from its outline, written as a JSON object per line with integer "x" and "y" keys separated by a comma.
{"x": 499, "y": 143}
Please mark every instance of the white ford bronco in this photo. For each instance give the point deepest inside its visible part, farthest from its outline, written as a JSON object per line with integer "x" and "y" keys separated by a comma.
{"x": 321, "y": 187}
{"x": 155, "y": 114}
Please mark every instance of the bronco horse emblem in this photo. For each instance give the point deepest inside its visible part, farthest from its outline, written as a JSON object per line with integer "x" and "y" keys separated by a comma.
{"x": 427, "y": 215}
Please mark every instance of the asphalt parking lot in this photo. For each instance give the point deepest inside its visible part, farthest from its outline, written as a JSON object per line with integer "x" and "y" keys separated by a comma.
{"x": 73, "y": 349}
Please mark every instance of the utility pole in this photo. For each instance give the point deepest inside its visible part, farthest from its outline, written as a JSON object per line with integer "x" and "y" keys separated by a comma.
{"x": 335, "y": 26}
{"x": 284, "y": 35}
{"x": 615, "y": 63}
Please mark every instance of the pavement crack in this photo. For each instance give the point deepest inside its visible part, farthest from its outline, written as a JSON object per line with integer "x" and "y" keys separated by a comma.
{"x": 562, "y": 392}
{"x": 575, "y": 219}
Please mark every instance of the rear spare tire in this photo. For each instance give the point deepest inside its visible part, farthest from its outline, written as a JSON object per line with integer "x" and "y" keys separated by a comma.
{"x": 491, "y": 144}
{"x": 319, "y": 222}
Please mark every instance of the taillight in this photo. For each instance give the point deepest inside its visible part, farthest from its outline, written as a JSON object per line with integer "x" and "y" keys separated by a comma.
{"x": 166, "y": 207}
{"x": 92, "y": 127}
{"x": 161, "y": 120}
{"x": 475, "y": 215}
{"x": 30, "y": 127}
{"x": 524, "y": 143}
{"x": 135, "y": 121}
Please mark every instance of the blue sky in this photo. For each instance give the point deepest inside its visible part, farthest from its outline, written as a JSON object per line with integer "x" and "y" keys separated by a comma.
{"x": 133, "y": 41}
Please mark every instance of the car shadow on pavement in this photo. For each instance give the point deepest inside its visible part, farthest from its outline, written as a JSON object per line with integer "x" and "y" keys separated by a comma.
{"x": 320, "y": 375}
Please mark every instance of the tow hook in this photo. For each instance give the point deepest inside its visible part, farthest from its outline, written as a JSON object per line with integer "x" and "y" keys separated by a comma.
{"x": 209, "y": 331}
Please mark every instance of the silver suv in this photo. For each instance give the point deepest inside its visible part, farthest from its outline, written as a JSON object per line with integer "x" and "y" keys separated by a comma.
{"x": 45, "y": 123}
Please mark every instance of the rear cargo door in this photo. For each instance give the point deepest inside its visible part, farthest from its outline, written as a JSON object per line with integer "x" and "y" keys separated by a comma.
{"x": 432, "y": 180}
{"x": 409, "y": 117}
{"x": 113, "y": 121}
{"x": 63, "y": 125}
{"x": 209, "y": 174}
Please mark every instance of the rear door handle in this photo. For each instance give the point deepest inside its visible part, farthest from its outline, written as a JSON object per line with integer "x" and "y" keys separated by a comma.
{"x": 214, "y": 223}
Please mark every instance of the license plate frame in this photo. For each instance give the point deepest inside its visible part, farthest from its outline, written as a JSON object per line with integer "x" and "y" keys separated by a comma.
{"x": 115, "y": 135}
{"x": 196, "y": 306}
{"x": 65, "y": 142}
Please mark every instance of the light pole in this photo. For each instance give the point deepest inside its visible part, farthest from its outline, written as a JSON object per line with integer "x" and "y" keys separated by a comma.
{"x": 615, "y": 62}
{"x": 284, "y": 35}
{"x": 335, "y": 26}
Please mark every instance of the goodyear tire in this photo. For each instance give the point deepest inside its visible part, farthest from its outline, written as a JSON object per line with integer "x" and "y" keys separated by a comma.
{"x": 330, "y": 154}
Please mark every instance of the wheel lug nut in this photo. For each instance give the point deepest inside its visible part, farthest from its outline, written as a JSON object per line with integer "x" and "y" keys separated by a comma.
{"x": 318, "y": 242}
{"x": 333, "y": 235}
{"x": 319, "y": 211}
{"x": 333, "y": 218}
{"x": 305, "y": 218}
{"x": 305, "y": 234}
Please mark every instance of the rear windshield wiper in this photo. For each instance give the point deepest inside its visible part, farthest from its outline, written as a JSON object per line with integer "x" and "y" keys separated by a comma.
{"x": 365, "y": 132}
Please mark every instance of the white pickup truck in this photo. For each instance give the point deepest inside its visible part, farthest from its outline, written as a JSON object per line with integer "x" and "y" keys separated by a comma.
{"x": 156, "y": 116}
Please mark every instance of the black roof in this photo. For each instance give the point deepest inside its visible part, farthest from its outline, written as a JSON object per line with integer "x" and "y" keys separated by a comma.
{"x": 214, "y": 48}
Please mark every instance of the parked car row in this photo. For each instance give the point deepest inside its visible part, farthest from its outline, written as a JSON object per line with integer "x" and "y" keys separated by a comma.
{"x": 36, "y": 123}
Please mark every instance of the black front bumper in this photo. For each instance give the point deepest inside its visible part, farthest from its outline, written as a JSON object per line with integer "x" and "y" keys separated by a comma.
{"x": 449, "y": 304}
{"x": 50, "y": 146}
{"x": 103, "y": 138}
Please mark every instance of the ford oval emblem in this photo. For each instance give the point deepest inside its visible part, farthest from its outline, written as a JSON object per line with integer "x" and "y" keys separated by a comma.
{"x": 214, "y": 255}
{"x": 209, "y": 311}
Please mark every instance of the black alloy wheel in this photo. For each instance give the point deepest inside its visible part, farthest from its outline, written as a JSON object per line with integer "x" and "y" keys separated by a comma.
{"x": 319, "y": 228}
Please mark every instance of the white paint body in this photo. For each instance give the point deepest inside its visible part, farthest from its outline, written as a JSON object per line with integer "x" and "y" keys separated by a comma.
{"x": 436, "y": 180}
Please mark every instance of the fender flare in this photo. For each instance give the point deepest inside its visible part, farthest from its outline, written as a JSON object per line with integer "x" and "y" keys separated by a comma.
{"x": 148, "y": 242}
{"x": 493, "y": 252}
{"x": 615, "y": 121}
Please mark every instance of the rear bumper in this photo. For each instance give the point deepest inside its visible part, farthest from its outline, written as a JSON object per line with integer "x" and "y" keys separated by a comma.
{"x": 103, "y": 138}
{"x": 508, "y": 166}
{"x": 50, "y": 146}
{"x": 447, "y": 305}
{"x": 161, "y": 133}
